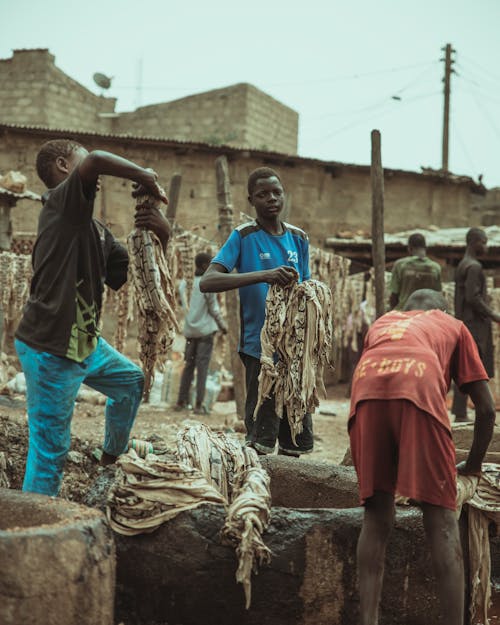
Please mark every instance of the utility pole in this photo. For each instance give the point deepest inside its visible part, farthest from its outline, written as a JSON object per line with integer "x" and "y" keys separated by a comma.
{"x": 378, "y": 246}
{"x": 448, "y": 70}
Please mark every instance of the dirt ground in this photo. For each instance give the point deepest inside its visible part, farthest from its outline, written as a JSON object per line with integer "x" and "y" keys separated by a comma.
{"x": 159, "y": 424}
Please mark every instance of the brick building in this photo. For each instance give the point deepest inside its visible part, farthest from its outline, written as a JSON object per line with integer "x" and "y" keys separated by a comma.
{"x": 39, "y": 102}
{"x": 34, "y": 91}
{"x": 324, "y": 197}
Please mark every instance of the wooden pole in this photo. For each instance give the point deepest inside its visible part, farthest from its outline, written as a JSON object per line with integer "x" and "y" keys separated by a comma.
{"x": 378, "y": 248}
{"x": 225, "y": 208}
{"x": 288, "y": 206}
{"x": 6, "y": 205}
{"x": 173, "y": 197}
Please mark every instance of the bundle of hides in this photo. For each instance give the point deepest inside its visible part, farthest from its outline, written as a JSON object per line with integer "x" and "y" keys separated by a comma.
{"x": 15, "y": 277}
{"x": 121, "y": 303}
{"x": 155, "y": 297}
{"x": 298, "y": 329}
{"x": 185, "y": 253}
{"x": 14, "y": 181}
{"x": 212, "y": 468}
{"x": 482, "y": 497}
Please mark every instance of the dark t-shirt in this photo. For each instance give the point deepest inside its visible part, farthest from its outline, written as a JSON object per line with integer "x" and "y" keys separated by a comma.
{"x": 472, "y": 307}
{"x": 73, "y": 257}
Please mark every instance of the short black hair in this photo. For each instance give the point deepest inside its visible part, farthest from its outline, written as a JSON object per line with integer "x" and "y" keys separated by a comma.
{"x": 426, "y": 299}
{"x": 256, "y": 174}
{"x": 201, "y": 259}
{"x": 416, "y": 240}
{"x": 475, "y": 234}
{"x": 49, "y": 152}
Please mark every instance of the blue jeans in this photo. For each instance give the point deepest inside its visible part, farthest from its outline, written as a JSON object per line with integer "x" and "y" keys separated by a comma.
{"x": 52, "y": 383}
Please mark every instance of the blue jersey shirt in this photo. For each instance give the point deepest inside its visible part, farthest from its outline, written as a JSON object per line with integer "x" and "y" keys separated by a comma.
{"x": 250, "y": 248}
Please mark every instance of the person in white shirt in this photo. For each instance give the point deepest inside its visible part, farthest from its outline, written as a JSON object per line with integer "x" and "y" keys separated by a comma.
{"x": 203, "y": 319}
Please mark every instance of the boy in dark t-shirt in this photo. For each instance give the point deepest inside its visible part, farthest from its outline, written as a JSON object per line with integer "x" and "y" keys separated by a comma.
{"x": 265, "y": 251}
{"x": 57, "y": 339}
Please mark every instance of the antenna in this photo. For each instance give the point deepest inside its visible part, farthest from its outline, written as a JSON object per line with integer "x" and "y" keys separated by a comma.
{"x": 103, "y": 81}
{"x": 138, "y": 89}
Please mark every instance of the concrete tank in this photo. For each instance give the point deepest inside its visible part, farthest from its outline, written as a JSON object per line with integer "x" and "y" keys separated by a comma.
{"x": 57, "y": 562}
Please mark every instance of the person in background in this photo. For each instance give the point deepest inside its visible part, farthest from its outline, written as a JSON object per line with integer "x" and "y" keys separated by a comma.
{"x": 58, "y": 340}
{"x": 203, "y": 319}
{"x": 413, "y": 272}
{"x": 401, "y": 442}
{"x": 472, "y": 307}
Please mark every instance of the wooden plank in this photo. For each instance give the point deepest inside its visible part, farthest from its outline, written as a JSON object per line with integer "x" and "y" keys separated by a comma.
{"x": 378, "y": 249}
{"x": 226, "y": 225}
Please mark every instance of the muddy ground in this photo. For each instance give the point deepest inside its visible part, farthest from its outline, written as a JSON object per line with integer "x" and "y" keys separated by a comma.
{"x": 159, "y": 424}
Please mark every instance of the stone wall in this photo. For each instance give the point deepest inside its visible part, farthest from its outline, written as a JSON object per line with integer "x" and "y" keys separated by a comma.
{"x": 33, "y": 91}
{"x": 325, "y": 197}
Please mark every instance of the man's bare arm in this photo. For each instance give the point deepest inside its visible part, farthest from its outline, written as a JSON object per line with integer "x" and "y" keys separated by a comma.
{"x": 98, "y": 163}
{"x": 217, "y": 279}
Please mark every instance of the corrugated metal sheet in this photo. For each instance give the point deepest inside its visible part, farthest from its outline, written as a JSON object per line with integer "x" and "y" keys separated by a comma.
{"x": 445, "y": 237}
{"x": 435, "y": 175}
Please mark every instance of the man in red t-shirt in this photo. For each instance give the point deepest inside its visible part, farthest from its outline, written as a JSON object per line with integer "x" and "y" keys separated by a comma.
{"x": 401, "y": 438}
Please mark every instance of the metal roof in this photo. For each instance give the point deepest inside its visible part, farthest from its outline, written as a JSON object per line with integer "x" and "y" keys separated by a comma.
{"x": 444, "y": 237}
{"x": 265, "y": 155}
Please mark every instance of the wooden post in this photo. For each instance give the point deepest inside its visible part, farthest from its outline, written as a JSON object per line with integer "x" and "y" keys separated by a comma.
{"x": 225, "y": 207}
{"x": 5, "y": 242}
{"x": 102, "y": 193}
{"x": 288, "y": 206}
{"x": 5, "y": 223}
{"x": 173, "y": 197}
{"x": 378, "y": 248}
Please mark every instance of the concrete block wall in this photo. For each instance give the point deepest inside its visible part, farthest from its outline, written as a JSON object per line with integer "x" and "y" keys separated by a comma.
{"x": 324, "y": 198}
{"x": 270, "y": 125}
{"x": 240, "y": 115}
{"x": 33, "y": 91}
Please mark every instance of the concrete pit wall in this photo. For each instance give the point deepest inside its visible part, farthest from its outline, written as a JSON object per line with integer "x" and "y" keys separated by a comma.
{"x": 182, "y": 574}
{"x": 57, "y": 562}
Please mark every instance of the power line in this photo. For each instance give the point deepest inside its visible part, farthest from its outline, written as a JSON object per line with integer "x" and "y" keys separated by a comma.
{"x": 486, "y": 114}
{"x": 480, "y": 92}
{"x": 464, "y": 147}
{"x": 376, "y": 116}
{"x": 325, "y": 79}
{"x": 377, "y": 104}
{"x": 483, "y": 69}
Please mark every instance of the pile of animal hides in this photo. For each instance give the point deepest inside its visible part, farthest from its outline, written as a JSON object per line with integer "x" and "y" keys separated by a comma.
{"x": 208, "y": 468}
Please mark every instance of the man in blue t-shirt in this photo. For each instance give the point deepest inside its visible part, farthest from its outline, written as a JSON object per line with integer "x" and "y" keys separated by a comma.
{"x": 265, "y": 251}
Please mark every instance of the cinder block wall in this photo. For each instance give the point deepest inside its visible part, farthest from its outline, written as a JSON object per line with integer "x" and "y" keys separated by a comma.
{"x": 325, "y": 198}
{"x": 33, "y": 91}
{"x": 240, "y": 115}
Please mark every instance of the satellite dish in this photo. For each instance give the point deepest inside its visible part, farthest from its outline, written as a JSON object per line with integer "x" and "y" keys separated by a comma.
{"x": 103, "y": 81}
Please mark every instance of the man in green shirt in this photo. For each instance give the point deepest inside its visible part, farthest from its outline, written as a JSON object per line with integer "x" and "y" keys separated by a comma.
{"x": 413, "y": 272}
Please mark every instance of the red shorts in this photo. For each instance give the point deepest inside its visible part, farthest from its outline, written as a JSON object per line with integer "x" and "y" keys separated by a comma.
{"x": 396, "y": 447}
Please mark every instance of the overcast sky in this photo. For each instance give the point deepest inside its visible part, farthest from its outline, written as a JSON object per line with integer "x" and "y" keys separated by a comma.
{"x": 338, "y": 64}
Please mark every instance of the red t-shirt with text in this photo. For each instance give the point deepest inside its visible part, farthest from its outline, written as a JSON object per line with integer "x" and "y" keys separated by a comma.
{"x": 414, "y": 355}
